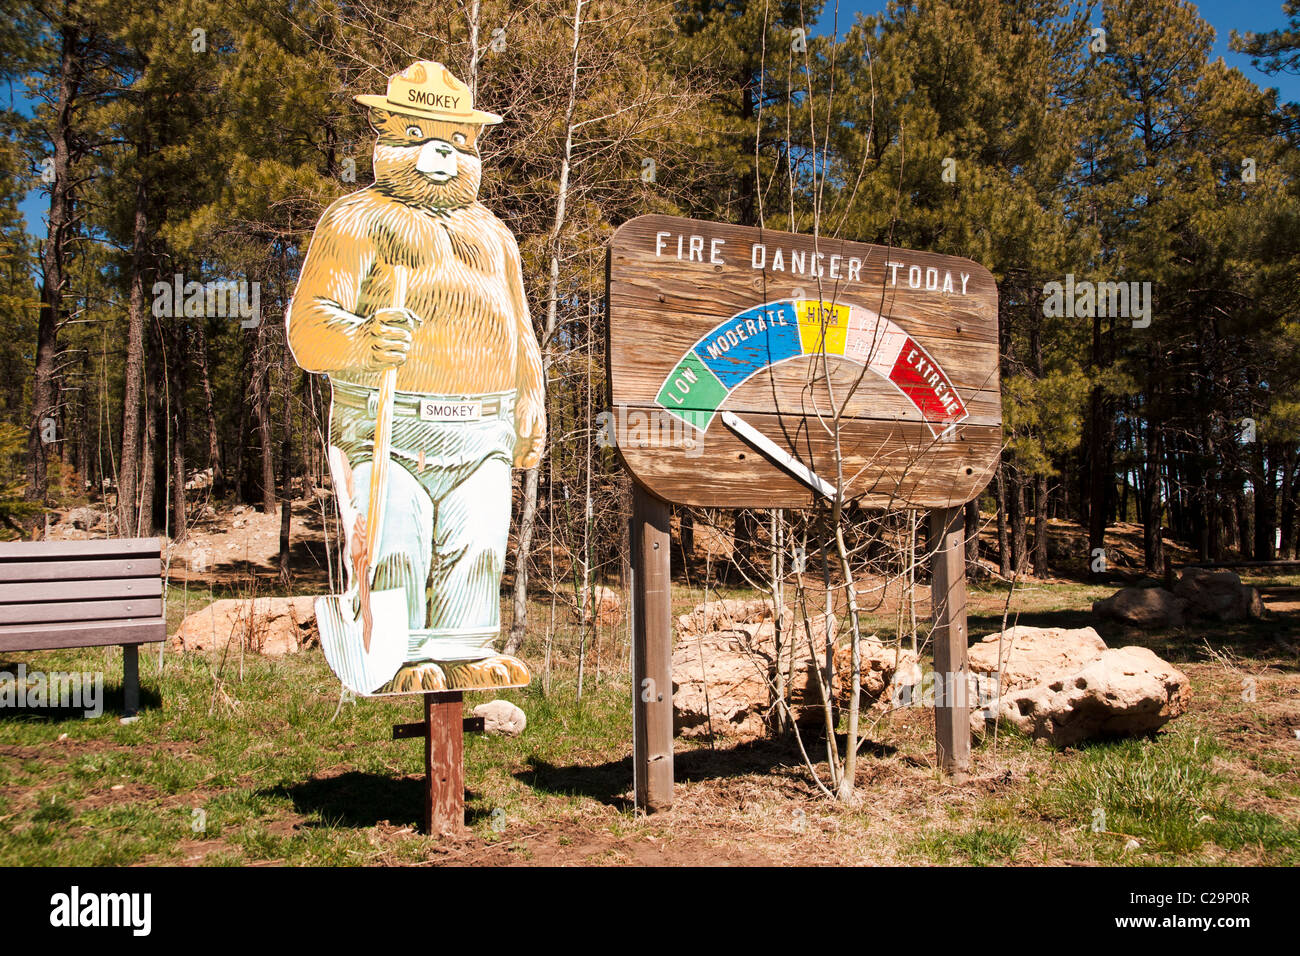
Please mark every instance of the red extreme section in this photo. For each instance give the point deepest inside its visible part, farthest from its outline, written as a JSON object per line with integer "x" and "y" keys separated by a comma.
{"x": 925, "y": 384}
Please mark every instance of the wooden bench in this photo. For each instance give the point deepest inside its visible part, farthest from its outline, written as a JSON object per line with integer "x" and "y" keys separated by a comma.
{"x": 83, "y": 594}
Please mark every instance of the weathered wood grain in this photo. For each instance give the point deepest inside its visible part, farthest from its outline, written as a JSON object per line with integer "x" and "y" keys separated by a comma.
{"x": 82, "y": 590}
{"x": 652, "y": 653}
{"x": 61, "y": 570}
{"x": 444, "y": 764}
{"x": 886, "y": 465}
{"x": 948, "y": 636}
{"x": 660, "y": 306}
{"x": 54, "y": 611}
{"x": 36, "y": 637}
{"x": 98, "y": 548}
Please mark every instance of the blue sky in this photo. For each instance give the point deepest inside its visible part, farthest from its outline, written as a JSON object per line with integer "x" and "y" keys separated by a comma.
{"x": 1244, "y": 16}
{"x": 1224, "y": 15}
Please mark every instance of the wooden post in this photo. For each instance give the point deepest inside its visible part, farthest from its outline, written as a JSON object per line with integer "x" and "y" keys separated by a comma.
{"x": 652, "y": 653}
{"x": 130, "y": 679}
{"x": 948, "y": 609}
{"x": 444, "y": 760}
{"x": 444, "y": 763}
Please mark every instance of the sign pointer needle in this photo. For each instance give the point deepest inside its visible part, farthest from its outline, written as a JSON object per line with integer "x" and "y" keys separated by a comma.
{"x": 755, "y": 439}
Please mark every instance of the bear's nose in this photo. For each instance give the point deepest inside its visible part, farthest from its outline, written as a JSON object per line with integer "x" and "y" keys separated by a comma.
{"x": 437, "y": 156}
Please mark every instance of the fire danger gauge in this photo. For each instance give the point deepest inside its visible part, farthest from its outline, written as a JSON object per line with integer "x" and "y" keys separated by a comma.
{"x": 747, "y": 343}
{"x": 804, "y": 351}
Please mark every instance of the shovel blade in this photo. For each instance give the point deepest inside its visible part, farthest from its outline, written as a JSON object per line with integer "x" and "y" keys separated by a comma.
{"x": 341, "y": 635}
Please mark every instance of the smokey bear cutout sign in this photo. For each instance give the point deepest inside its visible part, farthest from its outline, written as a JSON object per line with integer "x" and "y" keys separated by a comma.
{"x": 411, "y": 301}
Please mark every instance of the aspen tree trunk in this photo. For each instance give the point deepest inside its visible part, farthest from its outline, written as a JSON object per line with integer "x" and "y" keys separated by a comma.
{"x": 472, "y": 18}
{"x": 209, "y": 409}
{"x": 236, "y": 476}
{"x": 528, "y": 515}
{"x": 855, "y": 670}
{"x": 179, "y": 526}
{"x": 778, "y": 607}
{"x": 83, "y": 427}
{"x": 144, "y": 522}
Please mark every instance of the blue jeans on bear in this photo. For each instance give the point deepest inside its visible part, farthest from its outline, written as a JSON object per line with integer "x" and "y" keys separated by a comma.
{"x": 446, "y": 520}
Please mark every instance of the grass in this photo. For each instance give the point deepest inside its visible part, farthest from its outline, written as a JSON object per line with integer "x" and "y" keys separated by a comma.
{"x": 272, "y": 768}
{"x": 979, "y": 846}
{"x": 1170, "y": 797}
{"x": 257, "y": 761}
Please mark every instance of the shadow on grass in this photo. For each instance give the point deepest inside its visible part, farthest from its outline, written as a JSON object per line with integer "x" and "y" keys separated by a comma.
{"x": 112, "y": 704}
{"x": 611, "y": 782}
{"x": 356, "y": 799}
{"x": 360, "y": 800}
{"x": 979, "y": 625}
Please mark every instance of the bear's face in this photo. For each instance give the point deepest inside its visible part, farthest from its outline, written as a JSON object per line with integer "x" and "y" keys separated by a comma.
{"x": 427, "y": 163}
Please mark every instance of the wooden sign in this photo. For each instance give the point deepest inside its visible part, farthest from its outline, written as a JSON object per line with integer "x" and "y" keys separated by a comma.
{"x": 740, "y": 359}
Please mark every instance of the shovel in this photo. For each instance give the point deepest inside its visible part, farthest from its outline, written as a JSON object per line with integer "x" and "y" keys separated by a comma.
{"x": 367, "y": 647}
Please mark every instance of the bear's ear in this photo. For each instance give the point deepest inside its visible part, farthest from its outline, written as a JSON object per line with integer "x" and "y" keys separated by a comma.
{"x": 381, "y": 120}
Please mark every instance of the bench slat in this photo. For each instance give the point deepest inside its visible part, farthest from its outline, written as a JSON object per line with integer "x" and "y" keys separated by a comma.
{"x": 63, "y": 570}
{"x": 31, "y": 592}
{"x": 97, "y": 548}
{"x": 38, "y": 637}
{"x": 130, "y": 609}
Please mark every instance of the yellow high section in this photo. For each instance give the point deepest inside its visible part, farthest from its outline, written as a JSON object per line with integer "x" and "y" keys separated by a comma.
{"x": 834, "y": 319}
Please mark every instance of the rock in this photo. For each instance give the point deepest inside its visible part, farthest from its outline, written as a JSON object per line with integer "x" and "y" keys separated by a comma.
{"x": 273, "y": 626}
{"x": 728, "y": 613}
{"x": 1034, "y": 655}
{"x": 883, "y": 665}
{"x": 1124, "y": 692}
{"x": 1218, "y": 594}
{"x": 1254, "y": 604}
{"x": 607, "y": 604}
{"x": 1143, "y": 607}
{"x": 722, "y": 679}
{"x": 501, "y": 718}
{"x": 720, "y": 685}
{"x": 199, "y": 480}
{"x": 84, "y": 519}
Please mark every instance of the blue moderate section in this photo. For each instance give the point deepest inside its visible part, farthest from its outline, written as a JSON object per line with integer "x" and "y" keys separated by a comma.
{"x": 749, "y": 342}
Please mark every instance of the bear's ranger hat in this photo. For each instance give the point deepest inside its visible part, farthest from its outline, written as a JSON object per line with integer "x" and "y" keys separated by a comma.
{"x": 428, "y": 90}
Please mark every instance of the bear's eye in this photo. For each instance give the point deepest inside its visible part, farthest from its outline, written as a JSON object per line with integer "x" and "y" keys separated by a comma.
{"x": 458, "y": 139}
{"x": 414, "y": 132}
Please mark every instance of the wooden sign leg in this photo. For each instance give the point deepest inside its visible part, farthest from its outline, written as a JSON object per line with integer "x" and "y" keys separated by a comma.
{"x": 652, "y": 653}
{"x": 948, "y": 609}
{"x": 444, "y": 760}
{"x": 444, "y": 764}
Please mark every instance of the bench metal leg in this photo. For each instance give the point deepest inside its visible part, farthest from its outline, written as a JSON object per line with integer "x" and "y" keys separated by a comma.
{"x": 131, "y": 679}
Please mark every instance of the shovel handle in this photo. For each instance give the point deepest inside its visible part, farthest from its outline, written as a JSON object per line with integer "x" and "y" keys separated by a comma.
{"x": 383, "y": 432}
